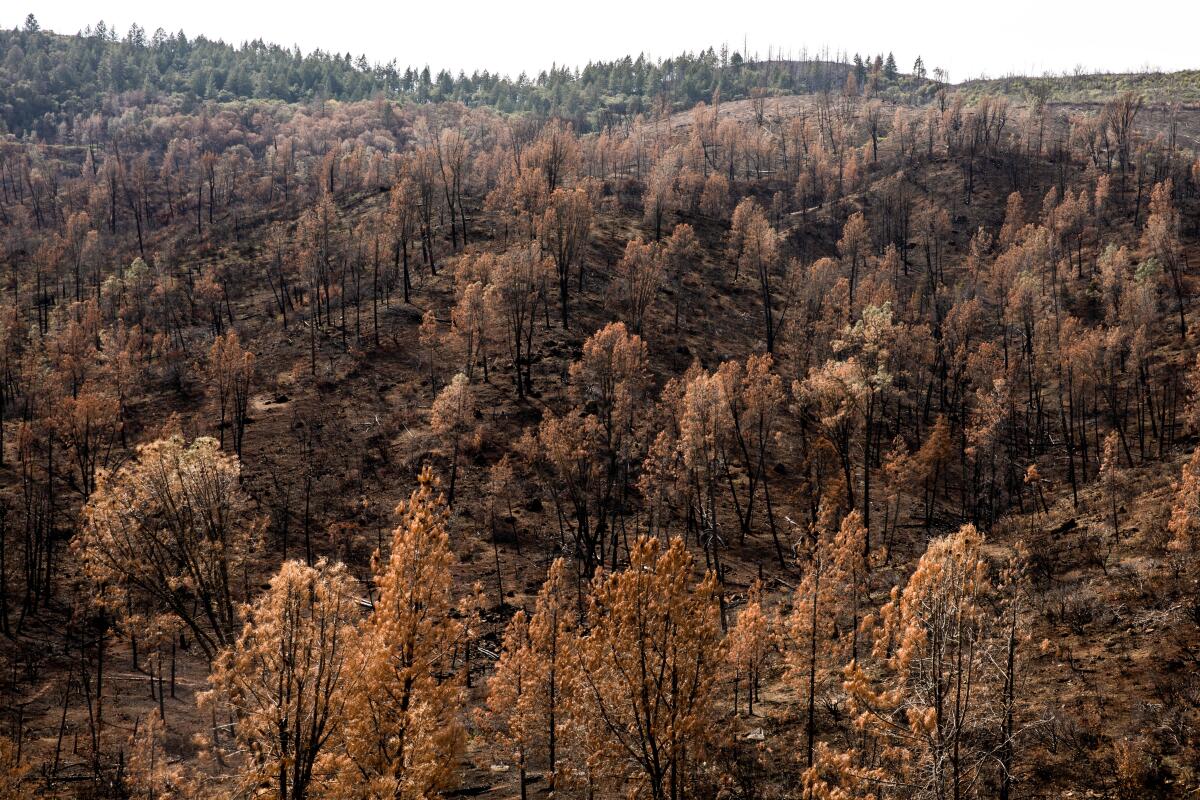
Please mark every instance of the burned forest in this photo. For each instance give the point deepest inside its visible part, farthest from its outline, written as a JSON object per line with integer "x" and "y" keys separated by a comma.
{"x": 710, "y": 427}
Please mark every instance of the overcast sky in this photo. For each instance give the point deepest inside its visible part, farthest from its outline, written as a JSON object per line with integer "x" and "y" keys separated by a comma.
{"x": 966, "y": 37}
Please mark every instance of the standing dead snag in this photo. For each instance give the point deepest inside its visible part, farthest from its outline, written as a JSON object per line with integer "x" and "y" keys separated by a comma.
{"x": 928, "y": 709}
{"x": 473, "y": 325}
{"x": 810, "y": 627}
{"x": 402, "y": 734}
{"x": 1160, "y": 241}
{"x": 1112, "y": 481}
{"x": 608, "y": 384}
{"x": 430, "y": 338}
{"x": 563, "y": 231}
{"x": 681, "y": 254}
{"x": 170, "y": 533}
{"x": 402, "y": 214}
{"x": 551, "y": 637}
{"x": 88, "y": 424}
{"x": 755, "y": 247}
{"x": 639, "y": 274}
{"x": 750, "y": 645}
{"x": 1012, "y": 591}
{"x": 762, "y": 254}
{"x": 567, "y": 446}
{"x": 452, "y": 150}
{"x": 231, "y": 370}
{"x": 555, "y": 153}
{"x": 847, "y": 395}
{"x": 660, "y": 194}
{"x": 534, "y": 676}
{"x": 754, "y": 396}
{"x": 452, "y": 418}
{"x": 151, "y": 771}
{"x": 514, "y": 293}
{"x": 850, "y": 570}
{"x": 285, "y": 679}
{"x": 714, "y": 198}
{"x": 704, "y": 426}
{"x": 648, "y": 668}
{"x": 833, "y": 394}
{"x": 498, "y": 490}
{"x": 853, "y": 247}
{"x": 508, "y": 715}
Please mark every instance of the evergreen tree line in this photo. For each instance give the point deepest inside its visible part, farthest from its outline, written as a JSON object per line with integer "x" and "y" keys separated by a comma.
{"x": 46, "y": 79}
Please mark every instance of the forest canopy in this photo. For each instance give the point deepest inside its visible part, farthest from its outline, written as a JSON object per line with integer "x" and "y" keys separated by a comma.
{"x": 46, "y": 78}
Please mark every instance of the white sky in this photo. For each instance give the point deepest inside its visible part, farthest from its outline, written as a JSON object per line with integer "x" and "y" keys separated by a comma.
{"x": 968, "y": 37}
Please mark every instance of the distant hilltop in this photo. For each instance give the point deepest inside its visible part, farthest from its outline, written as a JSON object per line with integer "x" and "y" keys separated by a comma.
{"x": 47, "y": 79}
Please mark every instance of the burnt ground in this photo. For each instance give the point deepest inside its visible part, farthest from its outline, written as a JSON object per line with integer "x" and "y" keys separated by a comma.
{"x": 1122, "y": 655}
